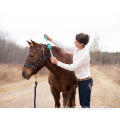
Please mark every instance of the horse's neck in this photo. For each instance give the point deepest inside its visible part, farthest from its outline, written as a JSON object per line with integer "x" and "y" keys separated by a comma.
{"x": 52, "y": 68}
{"x": 61, "y": 56}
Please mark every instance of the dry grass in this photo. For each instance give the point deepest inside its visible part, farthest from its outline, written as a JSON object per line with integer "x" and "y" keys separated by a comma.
{"x": 10, "y": 73}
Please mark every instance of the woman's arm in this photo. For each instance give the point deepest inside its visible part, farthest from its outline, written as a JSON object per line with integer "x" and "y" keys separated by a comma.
{"x": 81, "y": 61}
{"x": 64, "y": 47}
{"x": 77, "y": 64}
{"x": 60, "y": 45}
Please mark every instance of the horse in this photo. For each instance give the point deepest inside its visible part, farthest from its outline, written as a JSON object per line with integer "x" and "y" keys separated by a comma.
{"x": 60, "y": 80}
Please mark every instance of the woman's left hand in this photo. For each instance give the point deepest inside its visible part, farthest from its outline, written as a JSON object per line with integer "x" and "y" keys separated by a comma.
{"x": 54, "y": 60}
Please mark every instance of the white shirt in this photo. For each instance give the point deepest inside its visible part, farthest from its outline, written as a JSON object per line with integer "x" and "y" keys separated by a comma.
{"x": 81, "y": 60}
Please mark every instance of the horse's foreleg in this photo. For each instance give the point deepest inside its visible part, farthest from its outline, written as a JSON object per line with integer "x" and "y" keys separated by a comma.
{"x": 56, "y": 95}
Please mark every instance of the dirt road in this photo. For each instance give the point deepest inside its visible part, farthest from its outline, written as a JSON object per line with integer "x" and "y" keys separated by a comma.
{"x": 105, "y": 93}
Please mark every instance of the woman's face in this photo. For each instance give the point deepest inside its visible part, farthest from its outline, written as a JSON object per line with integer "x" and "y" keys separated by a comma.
{"x": 78, "y": 45}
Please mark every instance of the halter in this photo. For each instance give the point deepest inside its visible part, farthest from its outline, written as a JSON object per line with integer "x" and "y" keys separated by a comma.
{"x": 42, "y": 57}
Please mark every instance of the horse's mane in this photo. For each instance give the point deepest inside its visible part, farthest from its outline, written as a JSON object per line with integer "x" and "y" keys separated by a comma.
{"x": 58, "y": 50}
{"x": 62, "y": 55}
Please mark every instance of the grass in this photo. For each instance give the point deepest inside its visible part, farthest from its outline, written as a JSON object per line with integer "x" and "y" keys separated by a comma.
{"x": 10, "y": 73}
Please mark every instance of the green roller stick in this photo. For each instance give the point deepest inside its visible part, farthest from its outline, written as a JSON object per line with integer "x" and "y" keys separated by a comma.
{"x": 45, "y": 37}
{"x": 51, "y": 53}
{"x": 49, "y": 47}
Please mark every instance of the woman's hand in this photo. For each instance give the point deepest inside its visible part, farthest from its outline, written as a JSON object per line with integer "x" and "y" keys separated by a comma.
{"x": 54, "y": 60}
{"x": 48, "y": 38}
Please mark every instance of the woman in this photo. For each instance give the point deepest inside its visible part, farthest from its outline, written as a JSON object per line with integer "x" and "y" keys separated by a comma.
{"x": 81, "y": 61}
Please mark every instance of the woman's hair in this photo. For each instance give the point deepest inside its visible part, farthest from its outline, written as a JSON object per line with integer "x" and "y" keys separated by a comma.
{"x": 82, "y": 38}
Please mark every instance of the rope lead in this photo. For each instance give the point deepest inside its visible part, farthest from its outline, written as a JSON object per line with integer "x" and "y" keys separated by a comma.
{"x": 35, "y": 92}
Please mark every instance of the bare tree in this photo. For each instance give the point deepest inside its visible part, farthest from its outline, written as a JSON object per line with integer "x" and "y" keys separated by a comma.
{"x": 95, "y": 43}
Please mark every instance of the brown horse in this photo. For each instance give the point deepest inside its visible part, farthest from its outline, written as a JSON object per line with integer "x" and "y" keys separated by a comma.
{"x": 60, "y": 80}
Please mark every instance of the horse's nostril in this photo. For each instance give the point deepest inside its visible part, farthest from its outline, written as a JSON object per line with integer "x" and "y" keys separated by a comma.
{"x": 25, "y": 75}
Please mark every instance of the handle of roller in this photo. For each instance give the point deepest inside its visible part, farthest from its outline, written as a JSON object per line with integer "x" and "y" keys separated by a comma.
{"x": 51, "y": 53}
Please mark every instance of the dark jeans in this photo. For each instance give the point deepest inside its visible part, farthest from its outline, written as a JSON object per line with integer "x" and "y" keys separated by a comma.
{"x": 84, "y": 89}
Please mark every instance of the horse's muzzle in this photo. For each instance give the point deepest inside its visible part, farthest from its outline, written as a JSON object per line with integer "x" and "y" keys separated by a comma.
{"x": 25, "y": 75}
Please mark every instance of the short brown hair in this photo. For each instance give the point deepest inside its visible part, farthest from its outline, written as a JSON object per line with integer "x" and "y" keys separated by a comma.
{"x": 82, "y": 38}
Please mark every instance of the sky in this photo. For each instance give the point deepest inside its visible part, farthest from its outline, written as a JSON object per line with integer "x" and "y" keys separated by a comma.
{"x": 62, "y": 20}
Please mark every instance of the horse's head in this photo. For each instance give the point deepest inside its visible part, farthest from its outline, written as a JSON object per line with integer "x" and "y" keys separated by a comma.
{"x": 37, "y": 58}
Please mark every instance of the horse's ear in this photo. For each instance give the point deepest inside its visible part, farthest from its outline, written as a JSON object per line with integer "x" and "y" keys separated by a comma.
{"x": 34, "y": 43}
{"x": 29, "y": 42}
